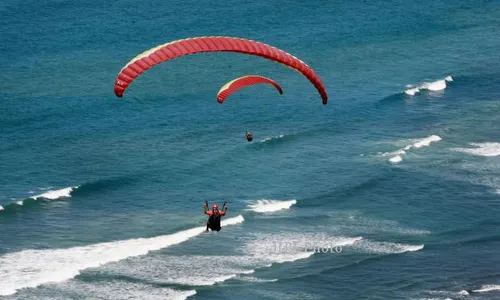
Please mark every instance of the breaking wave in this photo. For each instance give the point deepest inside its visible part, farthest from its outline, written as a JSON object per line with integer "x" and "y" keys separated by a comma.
{"x": 487, "y": 288}
{"x": 49, "y": 195}
{"x": 31, "y": 268}
{"x": 397, "y": 156}
{"x": 56, "y": 194}
{"x": 206, "y": 270}
{"x": 264, "y": 205}
{"x": 437, "y": 85}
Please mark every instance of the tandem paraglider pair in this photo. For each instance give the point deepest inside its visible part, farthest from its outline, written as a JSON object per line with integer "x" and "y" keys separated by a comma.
{"x": 171, "y": 50}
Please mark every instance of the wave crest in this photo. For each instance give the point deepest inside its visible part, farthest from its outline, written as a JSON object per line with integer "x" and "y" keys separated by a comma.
{"x": 56, "y": 194}
{"x": 49, "y": 195}
{"x": 265, "y": 205}
{"x": 397, "y": 156}
{"x": 487, "y": 288}
{"x": 437, "y": 85}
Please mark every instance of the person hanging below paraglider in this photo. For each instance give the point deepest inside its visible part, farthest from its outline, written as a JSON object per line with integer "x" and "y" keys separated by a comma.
{"x": 249, "y": 136}
{"x": 215, "y": 215}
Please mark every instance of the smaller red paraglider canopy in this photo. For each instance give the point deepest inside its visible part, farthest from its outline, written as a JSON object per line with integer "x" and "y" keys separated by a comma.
{"x": 244, "y": 81}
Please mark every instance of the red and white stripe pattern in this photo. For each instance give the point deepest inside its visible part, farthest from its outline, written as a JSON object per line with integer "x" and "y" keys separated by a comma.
{"x": 239, "y": 83}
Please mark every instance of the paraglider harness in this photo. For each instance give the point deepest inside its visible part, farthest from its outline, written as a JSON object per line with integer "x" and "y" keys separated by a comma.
{"x": 249, "y": 136}
{"x": 213, "y": 222}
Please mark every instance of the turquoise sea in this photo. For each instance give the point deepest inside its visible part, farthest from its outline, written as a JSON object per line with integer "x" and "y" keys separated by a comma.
{"x": 390, "y": 191}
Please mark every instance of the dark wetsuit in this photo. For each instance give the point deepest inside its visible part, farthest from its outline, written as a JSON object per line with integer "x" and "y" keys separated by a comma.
{"x": 249, "y": 137}
{"x": 213, "y": 222}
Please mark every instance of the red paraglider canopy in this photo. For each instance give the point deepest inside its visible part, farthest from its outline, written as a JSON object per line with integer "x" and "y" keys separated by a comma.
{"x": 239, "y": 83}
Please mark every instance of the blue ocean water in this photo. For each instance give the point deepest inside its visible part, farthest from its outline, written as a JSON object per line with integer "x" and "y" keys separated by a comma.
{"x": 398, "y": 176}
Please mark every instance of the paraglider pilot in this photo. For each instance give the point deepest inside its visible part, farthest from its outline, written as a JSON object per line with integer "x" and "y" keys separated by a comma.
{"x": 249, "y": 136}
{"x": 215, "y": 215}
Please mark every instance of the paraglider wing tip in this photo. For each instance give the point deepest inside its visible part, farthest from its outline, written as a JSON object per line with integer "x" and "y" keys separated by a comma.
{"x": 119, "y": 91}
{"x": 325, "y": 99}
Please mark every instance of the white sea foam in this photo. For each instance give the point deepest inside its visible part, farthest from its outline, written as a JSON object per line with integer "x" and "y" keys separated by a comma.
{"x": 386, "y": 247}
{"x": 396, "y": 159}
{"x": 483, "y": 173}
{"x": 361, "y": 224}
{"x": 255, "y": 279}
{"x": 199, "y": 280}
{"x": 118, "y": 290}
{"x": 31, "y": 268}
{"x": 272, "y": 138}
{"x": 483, "y": 289}
{"x": 56, "y": 194}
{"x": 1, "y": 208}
{"x": 437, "y": 85}
{"x": 487, "y": 288}
{"x": 412, "y": 91}
{"x": 198, "y": 270}
{"x": 285, "y": 247}
{"x": 192, "y": 270}
{"x": 447, "y": 293}
{"x": 19, "y": 202}
{"x": 204, "y": 270}
{"x": 433, "y": 299}
{"x": 419, "y": 143}
{"x": 264, "y": 205}
{"x": 481, "y": 149}
{"x": 397, "y": 156}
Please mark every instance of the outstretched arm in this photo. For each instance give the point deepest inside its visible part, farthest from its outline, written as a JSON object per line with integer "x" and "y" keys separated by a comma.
{"x": 205, "y": 207}
{"x": 224, "y": 208}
